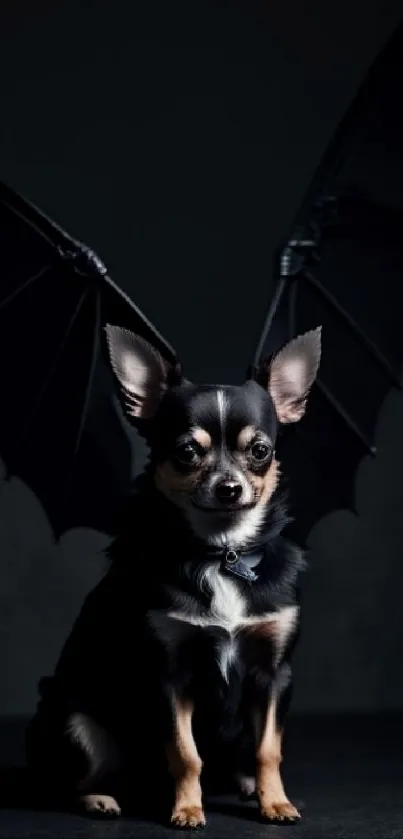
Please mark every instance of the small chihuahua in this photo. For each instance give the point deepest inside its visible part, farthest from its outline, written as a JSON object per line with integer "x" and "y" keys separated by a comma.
{"x": 185, "y": 644}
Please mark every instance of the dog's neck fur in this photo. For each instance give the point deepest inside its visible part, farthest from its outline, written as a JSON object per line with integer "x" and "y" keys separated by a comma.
{"x": 246, "y": 527}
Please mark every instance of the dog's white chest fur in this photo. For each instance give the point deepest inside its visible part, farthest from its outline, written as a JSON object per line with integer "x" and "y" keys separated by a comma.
{"x": 227, "y": 606}
{"x": 228, "y": 610}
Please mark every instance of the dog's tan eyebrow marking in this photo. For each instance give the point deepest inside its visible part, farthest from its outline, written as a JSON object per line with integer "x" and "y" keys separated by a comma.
{"x": 202, "y": 436}
{"x": 246, "y": 436}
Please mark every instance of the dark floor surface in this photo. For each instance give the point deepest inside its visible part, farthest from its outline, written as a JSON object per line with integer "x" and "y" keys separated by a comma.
{"x": 346, "y": 775}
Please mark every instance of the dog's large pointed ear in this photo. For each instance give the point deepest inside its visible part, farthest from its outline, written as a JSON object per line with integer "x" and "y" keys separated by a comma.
{"x": 291, "y": 373}
{"x": 141, "y": 371}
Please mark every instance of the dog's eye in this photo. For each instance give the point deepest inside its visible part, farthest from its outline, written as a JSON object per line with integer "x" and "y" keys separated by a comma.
{"x": 260, "y": 451}
{"x": 188, "y": 453}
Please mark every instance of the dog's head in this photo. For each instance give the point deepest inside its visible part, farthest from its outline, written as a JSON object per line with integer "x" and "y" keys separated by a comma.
{"x": 212, "y": 446}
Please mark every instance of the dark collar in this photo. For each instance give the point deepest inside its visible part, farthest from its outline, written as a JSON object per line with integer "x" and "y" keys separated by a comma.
{"x": 241, "y": 562}
{"x": 244, "y": 562}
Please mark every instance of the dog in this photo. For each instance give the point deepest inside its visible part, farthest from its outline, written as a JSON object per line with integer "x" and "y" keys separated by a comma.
{"x": 184, "y": 648}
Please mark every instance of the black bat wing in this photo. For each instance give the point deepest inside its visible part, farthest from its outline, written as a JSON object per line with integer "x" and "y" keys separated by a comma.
{"x": 61, "y": 430}
{"x": 342, "y": 268}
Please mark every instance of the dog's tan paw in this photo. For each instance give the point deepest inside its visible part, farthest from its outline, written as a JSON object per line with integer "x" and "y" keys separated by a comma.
{"x": 188, "y": 817}
{"x": 280, "y": 811}
{"x": 100, "y": 805}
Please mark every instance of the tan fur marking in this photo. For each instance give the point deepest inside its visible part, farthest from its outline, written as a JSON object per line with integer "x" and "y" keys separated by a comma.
{"x": 185, "y": 767}
{"x": 264, "y": 485}
{"x": 172, "y": 483}
{"x": 261, "y": 629}
{"x": 202, "y": 437}
{"x": 274, "y": 804}
{"x": 245, "y": 437}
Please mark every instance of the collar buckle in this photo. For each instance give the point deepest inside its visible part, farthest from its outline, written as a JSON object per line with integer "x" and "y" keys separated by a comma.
{"x": 231, "y": 556}
{"x": 235, "y": 564}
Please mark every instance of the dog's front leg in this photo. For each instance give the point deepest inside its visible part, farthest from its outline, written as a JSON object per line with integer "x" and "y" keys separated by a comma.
{"x": 185, "y": 767}
{"x": 274, "y": 804}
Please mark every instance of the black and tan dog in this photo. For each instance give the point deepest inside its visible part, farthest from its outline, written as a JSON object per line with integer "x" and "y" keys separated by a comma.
{"x": 187, "y": 640}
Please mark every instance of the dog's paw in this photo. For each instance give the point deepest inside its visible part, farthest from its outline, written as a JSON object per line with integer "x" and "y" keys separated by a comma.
{"x": 280, "y": 811}
{"x": 100, "y": 805}
{"x": 246, "y": 786}
{"x": 188, "y": 817}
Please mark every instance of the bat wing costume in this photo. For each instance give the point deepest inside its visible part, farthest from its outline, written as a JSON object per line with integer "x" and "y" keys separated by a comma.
{"x": 60, "y": 428}
{"x": 342, "y": 267}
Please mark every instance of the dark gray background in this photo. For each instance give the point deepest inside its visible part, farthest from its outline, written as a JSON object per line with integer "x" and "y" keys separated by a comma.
{"x": 177, "y": 140}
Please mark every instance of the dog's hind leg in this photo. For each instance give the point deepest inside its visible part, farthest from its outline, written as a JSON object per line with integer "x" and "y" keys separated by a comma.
{"x": 103, "y": 759}
{"x": 71, "y": 760}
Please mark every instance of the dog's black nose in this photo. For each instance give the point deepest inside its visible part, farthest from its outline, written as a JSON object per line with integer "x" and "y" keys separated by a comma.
{"x": 227, "y": 492}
